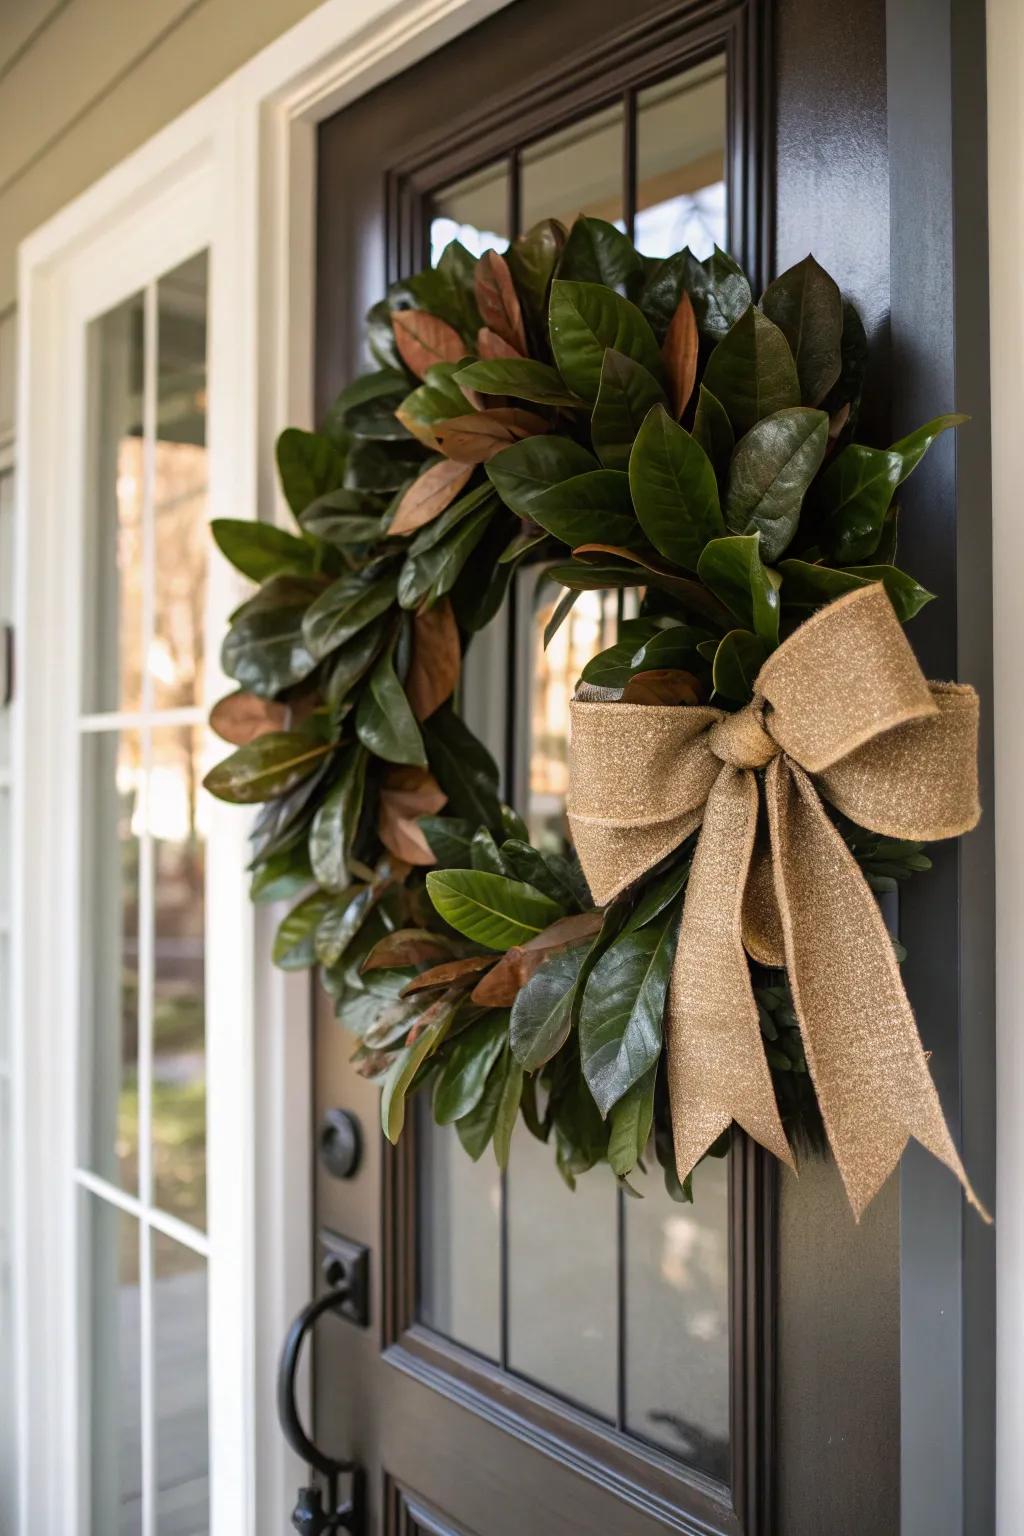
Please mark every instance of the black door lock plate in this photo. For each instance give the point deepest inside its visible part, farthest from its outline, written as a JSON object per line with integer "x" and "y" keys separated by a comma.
{"x": 346, "y": 1267}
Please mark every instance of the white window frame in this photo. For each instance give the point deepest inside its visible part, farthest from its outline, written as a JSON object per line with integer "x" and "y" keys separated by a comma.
{"x": 235, "y": 175}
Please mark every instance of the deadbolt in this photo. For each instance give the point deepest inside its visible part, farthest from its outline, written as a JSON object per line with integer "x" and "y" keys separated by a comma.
{"x": 341, "y": 1143}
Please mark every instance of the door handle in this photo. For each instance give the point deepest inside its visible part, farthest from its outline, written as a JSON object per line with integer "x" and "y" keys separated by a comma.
{"x": 310, "y": 1516}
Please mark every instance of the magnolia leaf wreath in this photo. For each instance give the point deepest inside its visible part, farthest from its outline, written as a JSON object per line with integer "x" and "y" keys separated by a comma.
{"x": 755, "y": 756}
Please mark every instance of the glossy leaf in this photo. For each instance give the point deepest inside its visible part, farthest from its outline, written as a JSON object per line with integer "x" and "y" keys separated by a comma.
{"x": 597, "y": 252}
{"x": 915, "y": 445}
{"x": 806, "y": 305}
{"x": 594, "y": 506}
{"x": 771, "y": 469}
{"x": 334, "y": 825}
{"x": 713, "y": 430}
{"x": 341, "y": 922}
{"x": 434, "y": 1025}
{"x": 428, "y": 496}
{"x": 477, "y": 437}
{"x": 407, "y": 794}
{"x": 504, "y": 981}
{"x": 498, "y": 301}
{"x": 658, "y": 894}
{"x": 853, "y": 364}
{"x": 422, "y": 340}
{"x": 381, "y": 468}
{"x": 366, "y": 407}
{"x": 385, "y": 723}
{"x": 851, "y": 501}
{"x": 719, "y": 290}
{"x": 461, "y": 1081}
{"x": 520, "y": 377}
{"x": 738, "y": 660}
{"x": 430, "y": 573}
{"x": 621, "y": 1011}
{"x": 523, "y": 472}
{"x": 464, "y": 769}
{"x": 293, "y": 942}
{"x": 632, "y": 1120}
{"x": 447, "y": 972}
{"x": 542, "y": 1012}
{"x": 809, "y": 586}
{"x": 308, "y": 464}
{"x": 752, "y": 372}
{"x": 476, "y": 1128}
{"x": 449, "y": 838}
{"x": 584, "y": 319}
{"x": 490, "y": 909}
{"x": 625, "y": 395}
{"x": 552, "y": 873}
{"x": 266, "y": 768}
{"x": 674, "y": 489}
{"x": 243, "y": 717}
{"x": 532, "y": 259}
{"x": 353, "y": 660}
{"x": 611, "y": 668}
{"x": 436, "y": 659}
{"x": 349, "y": 604}
{"x": 679, "y": 350}
{"x": 675, "y": 647}
{"x": 508, "y": 1108}
{"x": 733, "y": 569}
{"x": 260, "y": 550}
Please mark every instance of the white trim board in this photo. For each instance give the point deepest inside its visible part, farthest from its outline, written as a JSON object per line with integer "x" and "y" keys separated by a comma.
{"x": 250, "y": 146}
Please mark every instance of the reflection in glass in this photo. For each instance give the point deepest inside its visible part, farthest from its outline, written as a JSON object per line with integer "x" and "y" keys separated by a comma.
{"x": 111, "y": 1388}
{"x": 474, "y": 210}
{"x": 577, "y": 170}
{"x": 112, "y": 819}
{"x": 680, "y": 170}
{"x": 113, "y": 652}
{"x": 180, "y": 1389}
{"x": 460, "y": 1239}
{"x": 179, "y": 1064}
{"x": 175, "y": 652}
{"x": 677, "y": 1317}
{"x": 562, "y": 1282}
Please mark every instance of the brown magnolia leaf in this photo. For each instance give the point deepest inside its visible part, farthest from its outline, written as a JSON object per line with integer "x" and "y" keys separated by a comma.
{"x": 450, "y": 970}
{"x": 490, "y": 345}
{"x": 405, "y": 795}
{"x": 499, "y": 988}
{"x": 476, "y": 438}
{"x": 375, "y": 1063}
{"x": 243, "y": 717}
{"x": 679, "y": 351}
{"x": 419, "y": 429}
{"x": 838, "y": 421}
{"x": 423, "y": 340}
{"x": 436, "y": 659}
{"x": 662, "y": 685}
{"x": 498, "y": 301}
{"x": 407, "y": 946}
{"x": 428, "y": 496}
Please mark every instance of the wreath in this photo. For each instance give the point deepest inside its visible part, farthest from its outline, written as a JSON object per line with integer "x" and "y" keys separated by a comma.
{"x": 754, "y": 756}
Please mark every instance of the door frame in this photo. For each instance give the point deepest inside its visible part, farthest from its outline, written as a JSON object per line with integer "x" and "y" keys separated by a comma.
{"x": 256, "y": 135}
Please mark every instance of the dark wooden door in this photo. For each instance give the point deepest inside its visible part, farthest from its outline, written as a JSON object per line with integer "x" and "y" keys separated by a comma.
{"x": 563, "y": 1363}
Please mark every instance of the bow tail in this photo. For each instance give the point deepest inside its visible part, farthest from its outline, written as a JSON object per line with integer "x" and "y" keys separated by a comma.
{"x": 863, "y": 1050}
{"x": 717, "y": 1069}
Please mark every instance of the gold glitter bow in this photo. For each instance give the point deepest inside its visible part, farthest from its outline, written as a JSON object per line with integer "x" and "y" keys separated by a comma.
{"x": 843, "y": 710}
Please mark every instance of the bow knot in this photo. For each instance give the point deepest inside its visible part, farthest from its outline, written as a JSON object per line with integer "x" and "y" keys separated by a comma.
{"x": 841, "y": 711}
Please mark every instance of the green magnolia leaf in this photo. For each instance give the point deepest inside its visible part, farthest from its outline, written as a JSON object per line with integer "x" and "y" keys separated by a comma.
{"x": 437, "y": 530}
{"x": 854, "y": 362}
{"x": 476, "y": 1128}
{"x": 490, "y": 909}
{"x": 806, "y": 305}
{"x": 461, "y": 1082}
{"x": 771, "y": 469}
{"x": 464, "y": 768}
{"x": 584, "y": 319}
{"x": 385, "y": 723}
{"x": 738, "y": 660}
{"x": 852, "y": 498}
{"x": 621, "y": 1011}
{"x": 457, "y": 267}
{"x": 344, "y": 517}
{"x": 612, "y": 668}
{"x": 293, "y": 942}
{"x": 353, "y": 660}
{"x": 334, "y": 825}
{"x": 542, "y": 1012}
{"x": 282, "y": 876}
{"x": 661, "y": 891}
{"x": 752, "y": 372}
{"x": 549, "y": 873}
{"x": 733, "y": 569}
{"x": 380, "y": 337}
{"x": 280, "y": 827}
{"x": 532, "y": 259}
{"x": 341, "y": 923}
{"x": 592, "y": 508}
{"x": 483, "y": 854}
{"x": 809, "y": 586}
{"x": 260, "y": 550}
{"x": 719, "y": 290}
{"x": 632, "y": 1120}
{"x": 430, "y": 573}
{"x": 508, "y": 1108}
{"x": 561, "y": 612}
{"x": 597, "y": 252}
{"x": 308, "y": 465}
{"x": 267, "y": 767}
{"x": 672, "y": 648}
{"x": 674, "y": 489}
{"x": 915, "y": 445}
{"x": 348, "y": 604}
{"x": 659, "y": 297}
{"x": 713, "y": 430}
{"x": 434, "y": 1026}
{"x": 581, "y": 1136}
{"x": 366, "y": 407}
{"x": 520, "y": 377}
{"x": 625, "y": 395}
{"x": 450, "y": 839}
{"x": 265, "y": 651}
{"x": 381, "y": 468}
{"x": 526, "y": 470}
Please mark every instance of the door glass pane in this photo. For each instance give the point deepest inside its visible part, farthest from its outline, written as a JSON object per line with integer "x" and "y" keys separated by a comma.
{"x": 180, "y": 1389}
{"x": 112, "y": 1332}
{"x": 8, "y": 1426}
{"x": 474, "y": 210}
{"x": 680, "y": 170}
{"x": 460, "y": 1245}
{"x": 180, "y": 537}
{"x": 112, "y": 818}
{"x": 112, "y": 656}
{"x": 677, "y": 1317}
{"x": 179, "y": 1037}
{"x": 577, "y": 170}
{"x": 562, "y": 1277}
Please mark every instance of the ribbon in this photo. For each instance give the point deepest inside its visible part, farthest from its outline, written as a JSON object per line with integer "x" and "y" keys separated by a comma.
{"x": 840, "y": 710}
